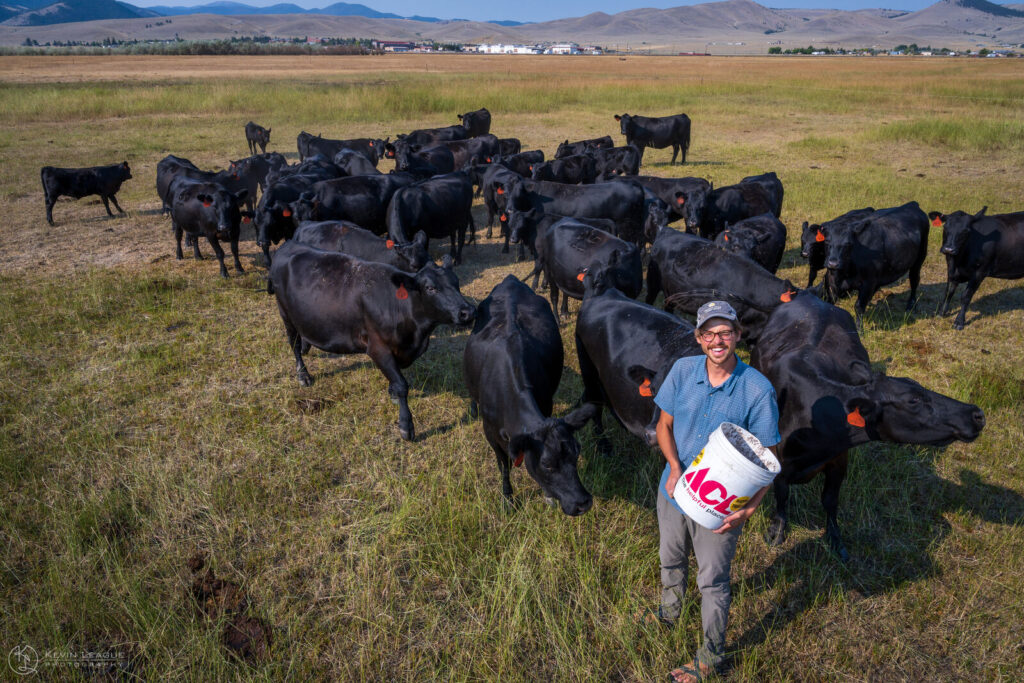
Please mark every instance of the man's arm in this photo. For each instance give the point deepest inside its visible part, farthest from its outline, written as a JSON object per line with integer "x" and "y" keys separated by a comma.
{"x": 736, "y": 519}
{"x": 667, "y": 443}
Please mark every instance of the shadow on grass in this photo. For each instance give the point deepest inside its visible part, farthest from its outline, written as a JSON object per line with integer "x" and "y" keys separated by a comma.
{"x": 894, "y": 548}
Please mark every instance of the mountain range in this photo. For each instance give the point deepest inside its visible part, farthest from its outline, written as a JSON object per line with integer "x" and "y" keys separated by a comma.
{"x": 738, "y": 25}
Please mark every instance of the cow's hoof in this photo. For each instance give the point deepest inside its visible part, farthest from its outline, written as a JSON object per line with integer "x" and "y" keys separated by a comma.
{"x": 305, "y": 380}
{"x": 958, "y": 326}
{"x": 550, "y": 501}
{"x": 407, "y": 434}
{"x": 837, "y": 547}
{"x": 776, "y": 533}
{"x": 504, "y": 250}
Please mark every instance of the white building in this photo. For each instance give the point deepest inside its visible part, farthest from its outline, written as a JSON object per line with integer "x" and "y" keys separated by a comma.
{"x": 502, "y": 49}
{"x": 563, "y": 49}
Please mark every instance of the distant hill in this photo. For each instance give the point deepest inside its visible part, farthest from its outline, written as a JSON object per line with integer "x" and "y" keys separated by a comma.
{"x": 723, "y": 27}
{"x": 338, "y": 9}
{"x": 72, "y": 11}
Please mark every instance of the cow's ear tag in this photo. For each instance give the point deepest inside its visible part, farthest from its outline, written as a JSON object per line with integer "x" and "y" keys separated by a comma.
{"x": 371, "y": 143}
{"x": 819, "y": 237}
{"x": 500, "y": 190}
{"x": 855, "y": 418}
{"x": 402, "y": 293}
{"x": 488, "y": 159}
{"x": 726, "y": 237}
{"x": 582, "y": 274}
{"x": 519, "y": 459}
{"x": 645, "y": 388}
{"x": 680, "y": 200}
{"x": 786, "y": 297}
{"x": 207, "y": 204}
{"x": 287, "y": 213}
{"x": 246, "y": 219}
{"x": 504, "y": 218}
{"x": 390, "y": 244}
{"x": 937, "y": 222}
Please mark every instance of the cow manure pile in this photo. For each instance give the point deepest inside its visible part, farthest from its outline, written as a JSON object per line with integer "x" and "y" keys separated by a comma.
{"x": 245, "y": 636}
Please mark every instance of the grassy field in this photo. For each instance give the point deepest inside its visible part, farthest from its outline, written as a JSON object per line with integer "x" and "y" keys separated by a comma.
{"x": 151, "y": 421}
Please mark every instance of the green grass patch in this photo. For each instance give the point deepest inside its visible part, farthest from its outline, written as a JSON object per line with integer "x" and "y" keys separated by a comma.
{"x": 958, "y": 134}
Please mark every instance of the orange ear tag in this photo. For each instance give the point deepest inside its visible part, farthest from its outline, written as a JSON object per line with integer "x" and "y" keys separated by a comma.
{"x": 581, "y": 275}
{"x": 402, "y": 293}
{"x": 246, "y": 219}
{"x": 390, "y": 244}
{"x": 937, "y": 222}
{"x": 820, "y": 237}
{"x": 519, "y": 459}
{"x": 725, "y": 237}
{"x": 488, "y": 160}
{"x": 500, "y": 190}
{"x": 680, "y": 200}
{"x": 504, "y": 218}
{"x": 371, "y": 143}
{"x": 287, "y": 213}
{"x": 855, "y": 418}
{"x": 786, "y": 297}
{"x": 645, "y": 388}
{"x": 207, "y": 204}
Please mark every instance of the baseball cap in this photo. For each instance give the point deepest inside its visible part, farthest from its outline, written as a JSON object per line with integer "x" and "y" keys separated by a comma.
{"x": 715, "y": 309}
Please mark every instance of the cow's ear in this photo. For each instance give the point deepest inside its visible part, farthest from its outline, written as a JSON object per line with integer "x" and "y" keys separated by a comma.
{"x": 581, "y": 416}
{"x": 420, "y": 238}
{"x": 618, "y": 118}
{"x": 680, "y": 198}
{"x": 125, "y": 164}
{"x": 936, "y": 218}
{"x": 980, "y": 213}
{"x": 803, "y": 228}
{"x": 613, "y": 259}
{"x": 447, "y": 262}
{"x": 268, "y": 130}
{"x": 860, "y": 372}
{"x": 403, "y": 284}
{"x": 641, "y": 377}
{"x": 763, "y": 237}
{"x": 858, "y": 228}
{"x": 860, "y": 412}
{"x": 520, "y": 447}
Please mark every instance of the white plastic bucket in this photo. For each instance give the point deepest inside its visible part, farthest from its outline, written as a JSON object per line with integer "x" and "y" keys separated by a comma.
{"x": 731, "y": 468}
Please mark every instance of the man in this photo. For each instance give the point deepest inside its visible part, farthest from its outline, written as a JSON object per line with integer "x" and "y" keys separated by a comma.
{"x": 699, "y": 394}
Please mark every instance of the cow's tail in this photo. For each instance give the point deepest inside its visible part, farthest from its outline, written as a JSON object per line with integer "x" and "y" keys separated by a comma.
{"x": 715, "y": 294}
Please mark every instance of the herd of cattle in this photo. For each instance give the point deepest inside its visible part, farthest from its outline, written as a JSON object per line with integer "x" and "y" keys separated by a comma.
{"x": 354, "y": 276}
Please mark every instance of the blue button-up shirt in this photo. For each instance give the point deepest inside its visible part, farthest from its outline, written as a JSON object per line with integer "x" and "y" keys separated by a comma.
{"x": 746, "y": 399}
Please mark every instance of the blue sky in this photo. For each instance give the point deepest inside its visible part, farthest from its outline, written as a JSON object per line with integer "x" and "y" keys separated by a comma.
{"x": 541, "y": 10}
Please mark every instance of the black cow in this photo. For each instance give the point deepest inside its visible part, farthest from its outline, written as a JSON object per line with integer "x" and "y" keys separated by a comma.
{"x": 361, "y": 199}
{"x": 310, "y": 145}
{"x": 492, "y": 184}
{"x": 620, "y": 202}
{"x": 582, "y": 146}
{"x": 686, "y": 198}
{"x": 350, "y": 239}
{"x": 762, "y": 239}
{"x": 522, "y": 163}
{"x": 82, "y": 182}
{"x": 576, "y": 169}
{"x": 731, "y": 204}
{"x": 692, "y": 270}
{"x": 773, "y": 186}
{"x": 879, "y": 249}
{"x": 464, "y": 151}
{"x": 510, "y": 146}
{"x": 569, "y": 249}
{"x": 977, "y": 247}
{"x": 616, "y": 161}
{"x": 477, "y": 122}
{"x": 524, "y": 227}
{"x": 257, "y": 135}
{"x": 344, "y": 305}
{"x": 830, "y": 400}
{"x": 206, "y": 208}
{"x": 439, "y": 207}
{"x": 625, "y": 350}
{"x": 658, "y": 132}
{"x": 351, "y": 162}
{"x": 274, "y": 221}
{"x": 814, "y": 239}
{"x": 512, "y": 365}
{"x": 429, "y": 136}
{"x": 258, "y": 167}
{"x": 425, "y": 161}
{"x": 316, "y": 165}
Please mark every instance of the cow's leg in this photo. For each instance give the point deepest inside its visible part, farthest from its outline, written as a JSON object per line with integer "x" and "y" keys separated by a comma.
{"x": 215, "y": 243}
{"x": 915, "y": 280}
{"x": 965, "y": 301}
{"x": 835, "y": 472}
{"x": 106, "y": 205}
{"x": 864, "y": 295}
{"x": 50, "y": 201}
{"x": 504, "y": 249}
{"x": 504, "y": 466}
{"x": 234, "y": 254}
{"x": 177, "y": 239}
{"x": 776, "y": 533}
{"x": 813, "y": 273}
{"x": 554, "y": 300}
{"x": 194, "y": 241}
{"x": 472, "y": 230}
{"x": 565, "y": 305}
{"x": 263, "y": 148}
{"x": 950, "y": 291}
{"x": 398, "y": 387}
{"x": 117, "y": 206}
{"x": 295, "y": 342}
{"x": 675, "y": 152}
{"x": 653, "y": 283}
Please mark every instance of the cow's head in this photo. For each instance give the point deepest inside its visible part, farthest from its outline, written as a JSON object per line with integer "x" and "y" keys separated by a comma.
{"x": 625, "y": 123}
{"x": 840, "y": 243}
{"x": 955, "y": 229}
{"x": 412, "y": 256}
{"x": 541, "y": 171}
{"x": 223, "y": 210}
{"x": 305, "y": 208}
{"x": 691, "y": 206}
{"x": 621, "y": 270}
{"x": 437, "y": 293}
{"x": 905, "y": 412}
{"x": 655, "y": 217}
{"x": 812, "y": 238}
{"x": 742, "y": 242}
{"x": 521, "y": 225}
{"x": 550, "y": 453}
{"x": 126, "y": 171}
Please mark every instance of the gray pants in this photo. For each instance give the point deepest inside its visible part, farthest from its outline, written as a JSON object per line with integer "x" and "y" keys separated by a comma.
{"x": 714, "y": 553}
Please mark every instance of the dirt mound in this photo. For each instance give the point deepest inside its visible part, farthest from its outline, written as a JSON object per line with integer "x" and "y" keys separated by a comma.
{"x": 245, "y": 636}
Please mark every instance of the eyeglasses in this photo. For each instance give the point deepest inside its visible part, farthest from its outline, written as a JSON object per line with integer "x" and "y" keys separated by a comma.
{"x": 724, "y": 335}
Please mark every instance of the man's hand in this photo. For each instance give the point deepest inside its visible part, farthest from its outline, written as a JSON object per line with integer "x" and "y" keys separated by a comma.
{"x": 673, "y": 478}
{"x": 735, "y": 520}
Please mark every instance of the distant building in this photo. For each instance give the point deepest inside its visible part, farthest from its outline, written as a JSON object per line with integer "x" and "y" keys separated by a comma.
{"x": 394, "y": 45}
{"x": 502, "y": 49}
{"x": 563, "y": 49}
